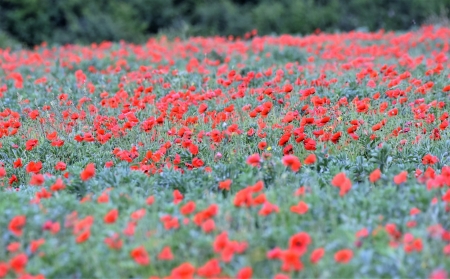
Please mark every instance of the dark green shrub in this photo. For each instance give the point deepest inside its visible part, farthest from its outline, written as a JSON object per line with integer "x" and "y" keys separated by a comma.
{"x": 77, "y": 21}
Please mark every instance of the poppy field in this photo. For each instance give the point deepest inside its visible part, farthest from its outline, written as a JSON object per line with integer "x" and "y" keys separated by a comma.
{"x": 322, "y": 156}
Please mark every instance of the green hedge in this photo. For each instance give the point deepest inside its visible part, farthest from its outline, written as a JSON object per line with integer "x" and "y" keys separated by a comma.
{"x": 78, "y": 21}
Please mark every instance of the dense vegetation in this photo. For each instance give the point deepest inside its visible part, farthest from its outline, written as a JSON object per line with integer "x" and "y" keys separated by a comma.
{"x": 321, "y": 156}
{"x": 32, "y": 22}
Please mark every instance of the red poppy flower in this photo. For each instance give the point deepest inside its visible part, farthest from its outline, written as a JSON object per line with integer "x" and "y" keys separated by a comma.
{"x": 34, "y": 167}
{"x": 150, "y": 200}
{"x": 341, "y": 181}
{"x": 165, "y": 254}
{"x": 225, "y": 185}
{"x": 17, "y": 163}
{"x": 309, "y": 144}
{"x": 210, "y": 269}
{"x": 439, "y": 273}
{"x": 208, "y": 226}
{"x": 316, "y": 255}
{"x": 375, "y": 175}
{"x": 292, "y": 161}
{"x": 60, "y": 166}
{"x": 245, "y": 273}
{"x": 83, "y": 236}
{"x": 300, "y": 242}
{"x": 188, "y": 208}
{"x": 140, "y": 256}
{"x": 185, "y": 271}
{"x": 30, "y": 144}
{"x": 18, "y": 262}
{"x": 4, "y": 267}
{"x": 343, "y": 256}
{"x": 16, "y": 224}
{"x": 429, "y": 159}
{"x": 35, "y": 244}
{"x": 58, "y": 185}
{"x": 291, "y": 261}
{"x": 254, "y": 160}
{"x": 400, "y": 178}
{"x": 310, "y": 159}
{"x": 88, "y": 172}
{"x": 262, "y": 145}
{"x": 37, "y": 179}
{"x": 177, "y": 196}
{"x": 111, "y": 216}
{"x": 300, "y": 208}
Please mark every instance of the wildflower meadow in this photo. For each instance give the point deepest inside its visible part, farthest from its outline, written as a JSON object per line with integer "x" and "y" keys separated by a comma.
{"x": 321, "y": 156}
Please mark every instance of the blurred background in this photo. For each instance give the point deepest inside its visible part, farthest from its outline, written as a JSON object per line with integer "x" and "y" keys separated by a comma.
{"x": 31, "y": 22}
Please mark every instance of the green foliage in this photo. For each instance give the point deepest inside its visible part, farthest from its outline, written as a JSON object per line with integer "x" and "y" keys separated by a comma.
{"x": 7, "y": 41}
{"x": 76, "y": 21}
